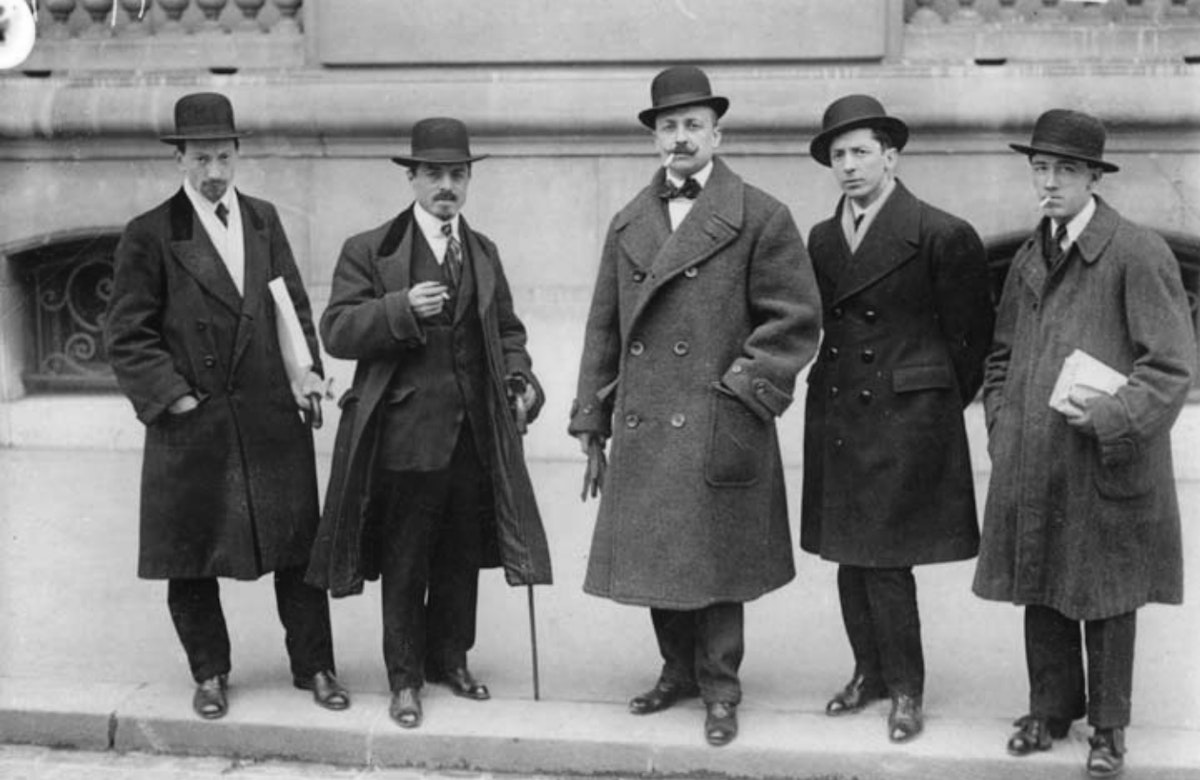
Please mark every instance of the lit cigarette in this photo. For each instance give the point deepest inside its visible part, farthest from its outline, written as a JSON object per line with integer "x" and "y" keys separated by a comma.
{"x": 670, "y": 159}
{"x": 1042, "y": 203}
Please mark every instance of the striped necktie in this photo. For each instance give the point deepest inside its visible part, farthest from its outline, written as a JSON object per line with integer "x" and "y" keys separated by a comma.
{"x": 452, "y": 263}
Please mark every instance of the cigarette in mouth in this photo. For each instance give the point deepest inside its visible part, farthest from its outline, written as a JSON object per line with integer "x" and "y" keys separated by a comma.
{"x": 670, "y": 159}
{"x": 1042, "y": 203}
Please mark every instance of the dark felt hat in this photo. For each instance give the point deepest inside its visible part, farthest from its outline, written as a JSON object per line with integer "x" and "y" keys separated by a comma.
{"x": 203, "y": 116}
{"x": 439, "y": 140}
{"x": 1066, "y": 133}
{"x": 850, "y": 113}
{"x": 682, "y": 85}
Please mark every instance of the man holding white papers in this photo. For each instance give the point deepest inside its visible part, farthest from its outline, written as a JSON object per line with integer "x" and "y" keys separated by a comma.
{"x": 1082, "y": 521}
{"x": 228, "y": 482}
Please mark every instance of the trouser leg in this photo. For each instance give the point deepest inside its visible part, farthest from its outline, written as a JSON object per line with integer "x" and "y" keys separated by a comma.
{"x": 675, "y": 631}
{"x": 720, "y": 645}
{"x": 1054, "y": 657}
{"x": 1110, "y": 669}
{"x": 304, "y": 612}
{"x": 897, "y": 624}
{"x": 856, "y": 616}
{"x": 195, "y": 606}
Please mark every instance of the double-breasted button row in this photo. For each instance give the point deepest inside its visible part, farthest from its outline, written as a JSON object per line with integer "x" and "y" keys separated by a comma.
{"x": 678, "y": 420}
{"x": 870, "y": 315}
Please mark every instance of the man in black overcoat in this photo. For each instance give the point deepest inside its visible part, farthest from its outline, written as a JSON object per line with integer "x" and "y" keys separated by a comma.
{"x": 228, "y": 479}
{"x": 887, "y": 473}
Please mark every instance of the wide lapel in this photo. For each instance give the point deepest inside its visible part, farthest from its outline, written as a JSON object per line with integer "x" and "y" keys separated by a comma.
{"x": 713, "y": 223}
{"x": 644, "y": 226}
{"x": 477, "y": 276}
{"x": 1030, "y": 263}
{"x": 256, "y": 247}
{"x": 829, "y": 252}
{"x": 393, "y": 261}
{"x": 194, "y": 250}
{"x": 892, "y": 239}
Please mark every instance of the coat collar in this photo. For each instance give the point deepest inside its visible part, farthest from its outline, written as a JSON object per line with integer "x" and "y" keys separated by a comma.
{"x": 1090, "y": 245}
{"x": 893, "y": 238}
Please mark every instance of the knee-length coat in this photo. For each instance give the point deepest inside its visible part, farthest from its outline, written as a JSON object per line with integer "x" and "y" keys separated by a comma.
{"x": 692, "y": 347}
{"x": 908, "y": 320}
{"x": 1087, "y": 525}
{"x": 228, "y": 489}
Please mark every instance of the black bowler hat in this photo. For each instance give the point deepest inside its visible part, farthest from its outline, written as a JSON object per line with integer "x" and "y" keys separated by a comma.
{"x": 203, "y": 116}
{"x": 439, "y": 140}
{"x": 682, "y": 85}
{"x": 850, "y": 113}
{"x": 1066, "y": 133}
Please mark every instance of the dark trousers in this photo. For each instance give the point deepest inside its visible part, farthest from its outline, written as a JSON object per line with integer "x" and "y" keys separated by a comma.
{"x": 195, "y": 606}
{"x": 879, "y": 609}
{"x": 703, "y": 646}
{"x": 1054, "y": 656}
{"x": 431, "y": 540}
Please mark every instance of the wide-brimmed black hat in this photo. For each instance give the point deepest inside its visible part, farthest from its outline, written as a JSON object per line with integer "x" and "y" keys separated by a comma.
{"x": 1066, "y": 133}
{"x": 439, "y": 140}
{"x": 203, "y": 116}
{"x": 682, "y": 85}
{"x": 850, "y": 113}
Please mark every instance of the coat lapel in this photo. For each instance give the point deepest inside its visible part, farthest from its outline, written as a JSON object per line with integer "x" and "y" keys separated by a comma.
{"x": 477, "y": 273}
{"x": 893, "y": 238}
{"x": 644, "y": 227}
{"x": 393, "y": 262}
{"x": 195, "y": 252}
{"x": 713, "y": 223}
{"x": 256, "y": 244}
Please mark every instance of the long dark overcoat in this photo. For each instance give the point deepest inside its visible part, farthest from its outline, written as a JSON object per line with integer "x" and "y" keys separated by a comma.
{"x": 1087, "y": 525}
{"x": 369, "y": 320}
{"x": 693, "y": 343}
{"x": 908, "y": 320}
{"x": 228, "y": 489}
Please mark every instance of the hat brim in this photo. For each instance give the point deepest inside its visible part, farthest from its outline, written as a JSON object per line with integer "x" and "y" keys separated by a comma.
{"x": 1029, "y": 151}
{"x": 412, "y": 162}
{"x": 716, "y": 103}
{"x": 819, "y": 148}
{"x": 215, "y": 136}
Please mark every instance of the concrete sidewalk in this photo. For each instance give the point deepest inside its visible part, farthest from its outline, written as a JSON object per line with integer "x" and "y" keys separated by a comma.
{"x": 88, "y": 658}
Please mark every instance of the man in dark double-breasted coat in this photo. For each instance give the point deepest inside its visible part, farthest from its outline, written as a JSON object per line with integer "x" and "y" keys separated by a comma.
{"x": 887, "y": 474}
{"x": 429, "y": 481}
{"x": 704, "y": 312}
{"x": 228, "y": 479}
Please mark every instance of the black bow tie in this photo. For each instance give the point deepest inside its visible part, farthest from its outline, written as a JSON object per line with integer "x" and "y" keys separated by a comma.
{"x": 690, "y": 190}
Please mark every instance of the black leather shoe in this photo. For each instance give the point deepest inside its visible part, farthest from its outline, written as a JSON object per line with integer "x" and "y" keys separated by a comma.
{"x": 405, "y": 707}
{"x": 720, "y": 723}
{"x": 906, "y": 719}
{"x": 461, "y": 683}
{"x": 326, "y": 690}
{"x": 858, "y": 693}
{"x": 1036, "y": 733}
{"x": 1106, "y": 758}
{"x": 209, "y": 701}
{"x": 662, "y": 696}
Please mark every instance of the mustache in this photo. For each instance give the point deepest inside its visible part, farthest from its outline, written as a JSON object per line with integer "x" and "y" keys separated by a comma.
{"x": 681, "y": 148}
{"x": 449, "y": 196}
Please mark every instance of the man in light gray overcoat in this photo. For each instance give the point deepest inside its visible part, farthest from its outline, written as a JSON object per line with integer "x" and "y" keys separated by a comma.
{"x": 704, "y": 311}
{"x": 1082, "y": 521}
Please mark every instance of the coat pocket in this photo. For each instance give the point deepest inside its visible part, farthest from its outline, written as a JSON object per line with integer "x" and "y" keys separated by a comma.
{"x": 1128, "y": 480}
{"x": 908, "y": 379}
{"x": 737, "y": 442}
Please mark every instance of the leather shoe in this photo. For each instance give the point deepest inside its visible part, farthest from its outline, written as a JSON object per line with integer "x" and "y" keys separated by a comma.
{"x": 1106, "y": 758}
{"x": 905, "y": 720}
{"x": 1036, "y": 733}
{"x": 209, "y": 701}
{"x": 405, "y": 707}
{"x": 326, "y": 690}
{"x": 662, "y": 696}
{"x": 858, "y": 693}
{"x": 461, "y": 683}
{"x": 720, "y": 723}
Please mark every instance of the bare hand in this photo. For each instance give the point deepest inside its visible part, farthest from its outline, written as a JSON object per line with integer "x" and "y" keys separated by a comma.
{"x": 309, "y": 394}
{"x": 183, "y": 404}
{"x": 1081, "y": 417}
{"x": 427, "y": 299}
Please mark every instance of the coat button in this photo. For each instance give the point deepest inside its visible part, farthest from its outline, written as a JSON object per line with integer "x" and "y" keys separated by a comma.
{"x": 868, "y": 356}
{"x": 838, "y": 312}
{"x": 209, "y": 361}
{"x": 866, "y": 396}
{"x": 691, "y": 272}
{"x": 201, "y": 325}
{"x": 832, "y": 353}
{"x": 681, "y": 348}
{"x": 833, "y": 391}
{"x": 636, "y": 348}
{"x": 870, "y": 315}
{"x": 587, "y": 409}
{"x": 760, "y": 387}
{"x": 678, "y": 420}
{"x": 639, "y": 276}
{"x": 838, "y": 443}
{"x": 738, "y": 369}
{"x": 632, "y": 421}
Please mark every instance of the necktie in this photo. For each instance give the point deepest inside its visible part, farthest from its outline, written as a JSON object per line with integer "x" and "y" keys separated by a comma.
{"x": 1053, "y": 250}
{"x": 452, "y": 263}
{"x": 223, "y": 214}
{"x": 858, "y": 222}
{"x": 690, "y": 190}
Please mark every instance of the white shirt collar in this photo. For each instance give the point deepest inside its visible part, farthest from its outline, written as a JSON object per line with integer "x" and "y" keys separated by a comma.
{"x": 870, "y": 211}
{"x": 203, "y": 204}
{"x": 1078, "y": 222}
{"x": 431, "y": 228}
{"x": 701, "y": 176}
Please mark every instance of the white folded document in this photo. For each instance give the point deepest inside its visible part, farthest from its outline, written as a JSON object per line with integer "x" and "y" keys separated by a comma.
{"x": 292, "y": 344}
{"x": 1086, "y": 377}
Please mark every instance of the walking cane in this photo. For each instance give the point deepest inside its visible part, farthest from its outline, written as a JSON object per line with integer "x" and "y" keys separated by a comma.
{"x": 515, "y": 387}
{"x": 537, "y": 693}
